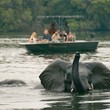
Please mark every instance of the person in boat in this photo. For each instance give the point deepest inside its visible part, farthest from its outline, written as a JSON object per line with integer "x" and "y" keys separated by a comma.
{"x": 52, "y": 29}
{"x": 46, "y": 36}
{"x": 63, "y": 36}
{"x": 33, "y": 38}
{"x": 56, "y": 37}
{"x": 70, "y": 37}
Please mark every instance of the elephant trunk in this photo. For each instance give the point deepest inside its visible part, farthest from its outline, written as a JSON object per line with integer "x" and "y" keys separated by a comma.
{"x": 75, "y": 74}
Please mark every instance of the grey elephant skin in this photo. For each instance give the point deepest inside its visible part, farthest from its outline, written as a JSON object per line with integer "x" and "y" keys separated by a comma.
{"x": 12, "y": 83}
{"x": 62, "y": 76}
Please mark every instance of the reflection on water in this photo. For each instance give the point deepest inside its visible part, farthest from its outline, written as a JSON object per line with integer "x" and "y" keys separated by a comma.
{"x": 15, "y": 63}
{"x": 96, "y": 101}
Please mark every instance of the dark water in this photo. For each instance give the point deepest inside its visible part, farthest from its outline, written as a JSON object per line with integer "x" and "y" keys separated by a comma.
{"x": 15, "y": 63}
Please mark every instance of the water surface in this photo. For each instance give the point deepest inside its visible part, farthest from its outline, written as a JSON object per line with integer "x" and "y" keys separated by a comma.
{"x": 15, "y": 63}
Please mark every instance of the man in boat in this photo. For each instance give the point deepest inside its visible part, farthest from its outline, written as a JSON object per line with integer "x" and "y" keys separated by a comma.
{"x": 52, "y": 29}
{"x": 70, "y": 37}
{"x": 46, "y": 36}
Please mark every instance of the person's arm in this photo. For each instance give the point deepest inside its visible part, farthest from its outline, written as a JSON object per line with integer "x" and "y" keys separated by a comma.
{"x": 74, "y": 37}
{"x": 58, "y": 37}
{"x": 67, "y": 38}
{"x": 53, "y": 36}
{"x": 31, "y": 39}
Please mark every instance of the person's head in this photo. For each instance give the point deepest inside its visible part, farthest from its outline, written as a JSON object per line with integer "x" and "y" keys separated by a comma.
{"x": 56, "y": 32}
{"x": 69, "y": 33}
{"x": 63, "y": 32}
{"x": 34, "y": 34}
{"x": 46, "y": 31}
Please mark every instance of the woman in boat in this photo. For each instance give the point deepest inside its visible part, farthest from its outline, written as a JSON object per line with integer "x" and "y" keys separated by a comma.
{"x": 71, "y": 37}
{"x": 33, "y": 38}
{"x": 56, "y": 37}
{"x": 46, "y": 36}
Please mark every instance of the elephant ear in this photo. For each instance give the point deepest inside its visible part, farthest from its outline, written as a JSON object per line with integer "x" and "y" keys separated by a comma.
{"x": 100, "y": 75}
{"x": 52, "y": 78}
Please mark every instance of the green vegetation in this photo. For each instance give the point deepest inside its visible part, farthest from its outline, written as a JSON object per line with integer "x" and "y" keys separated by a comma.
{"x": 20, "y": 15}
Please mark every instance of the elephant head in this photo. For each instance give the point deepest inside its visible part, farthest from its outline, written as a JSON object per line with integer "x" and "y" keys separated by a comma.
{"x": 53, "y": 77}
{"x": 63, "y": 76}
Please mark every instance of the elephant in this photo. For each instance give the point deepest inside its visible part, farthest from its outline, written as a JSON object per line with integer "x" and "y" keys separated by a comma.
{"x": 12, "y": 83}
{"x": 80, "y": 77}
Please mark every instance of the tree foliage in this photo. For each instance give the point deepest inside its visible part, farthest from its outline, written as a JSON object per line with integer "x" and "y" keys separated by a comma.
{"x": 20, "y": 15}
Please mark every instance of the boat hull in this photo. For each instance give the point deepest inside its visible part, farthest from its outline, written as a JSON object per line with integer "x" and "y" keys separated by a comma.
{"x": 61, "y": 47}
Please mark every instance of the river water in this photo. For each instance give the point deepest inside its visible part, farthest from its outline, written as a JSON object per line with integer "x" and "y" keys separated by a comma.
{"x": 15, "y": 63}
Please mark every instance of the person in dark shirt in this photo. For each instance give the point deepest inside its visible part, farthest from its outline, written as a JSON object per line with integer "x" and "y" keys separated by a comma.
{"x": 46, "y": 36}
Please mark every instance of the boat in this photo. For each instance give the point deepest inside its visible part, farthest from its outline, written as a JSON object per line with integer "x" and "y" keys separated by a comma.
{"x": 66, "y": 47}
{"x": 62, "y": 47}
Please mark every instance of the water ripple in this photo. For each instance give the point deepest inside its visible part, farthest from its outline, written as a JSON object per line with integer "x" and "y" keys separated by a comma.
{"x": 15, "y": 63}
